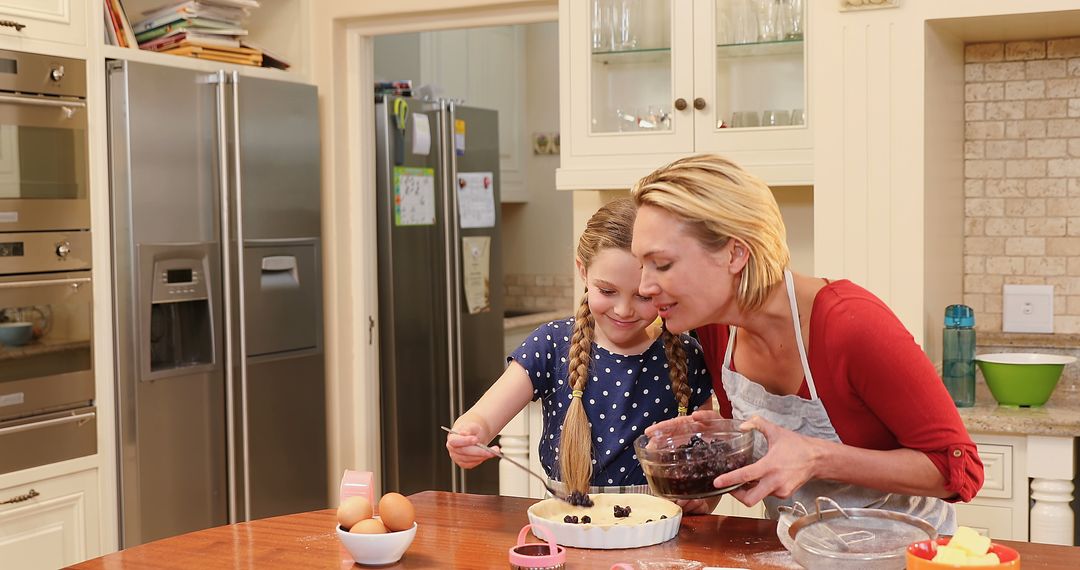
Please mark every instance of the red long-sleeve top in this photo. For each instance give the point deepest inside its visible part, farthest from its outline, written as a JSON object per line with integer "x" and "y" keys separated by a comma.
{"x": 878, "y": 387}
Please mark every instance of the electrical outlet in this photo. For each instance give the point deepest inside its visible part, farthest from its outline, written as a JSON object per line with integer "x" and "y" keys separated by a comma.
{"x": 1028, "y": 308}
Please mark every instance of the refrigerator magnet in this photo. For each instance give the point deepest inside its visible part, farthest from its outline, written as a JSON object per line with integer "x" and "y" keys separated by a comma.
{"x": 459, "y": 137}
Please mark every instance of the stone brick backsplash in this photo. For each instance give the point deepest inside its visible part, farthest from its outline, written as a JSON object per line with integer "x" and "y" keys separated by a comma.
{"x": 1022, "y": 175}
{"x": 541, "y": 292}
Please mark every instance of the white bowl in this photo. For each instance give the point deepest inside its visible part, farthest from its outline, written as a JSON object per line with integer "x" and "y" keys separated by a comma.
{"x": 631, "y": 532}
{"x": 374, "y": 549}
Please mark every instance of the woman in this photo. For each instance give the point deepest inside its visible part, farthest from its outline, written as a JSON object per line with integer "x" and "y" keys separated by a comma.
{"x": 850, "y": 406}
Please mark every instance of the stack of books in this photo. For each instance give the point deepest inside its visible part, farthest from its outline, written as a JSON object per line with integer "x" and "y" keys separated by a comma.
{"x": 206, "y": 29}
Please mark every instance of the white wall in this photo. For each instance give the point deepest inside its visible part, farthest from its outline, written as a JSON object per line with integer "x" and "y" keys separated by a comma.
{"x": 538, "y": 234}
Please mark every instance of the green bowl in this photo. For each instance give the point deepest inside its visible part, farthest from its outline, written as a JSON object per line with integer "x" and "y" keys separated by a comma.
{"x": 1022, "y": 378}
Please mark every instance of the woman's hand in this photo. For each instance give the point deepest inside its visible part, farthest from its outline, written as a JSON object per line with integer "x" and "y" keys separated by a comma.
{"x": 463, "y": 448}
{"x": 789, "y": 463}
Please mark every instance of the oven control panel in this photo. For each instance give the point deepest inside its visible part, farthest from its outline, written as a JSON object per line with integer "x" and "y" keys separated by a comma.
{"x": 40, "y": 252}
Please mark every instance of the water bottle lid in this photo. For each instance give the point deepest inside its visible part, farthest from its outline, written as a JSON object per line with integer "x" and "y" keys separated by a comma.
{"x": 959, "y": 316}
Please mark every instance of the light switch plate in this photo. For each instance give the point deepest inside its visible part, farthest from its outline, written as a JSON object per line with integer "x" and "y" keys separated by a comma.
{"x": 1028, "y": 308}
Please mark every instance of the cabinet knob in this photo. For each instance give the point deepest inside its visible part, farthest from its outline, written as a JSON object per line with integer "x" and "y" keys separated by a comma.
{"x": 12, "y": 24}
{"x": 699, "y": 103}
{"x": 57, "y": 73}
{"x": 680, "y": 104}
{"x": 63, "y": 249}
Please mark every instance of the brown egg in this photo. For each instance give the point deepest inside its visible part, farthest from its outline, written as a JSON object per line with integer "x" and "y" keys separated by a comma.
{"x": 353, "y": 510}
{"x": 368, "y": 526}
{"x": 396, "y": 512}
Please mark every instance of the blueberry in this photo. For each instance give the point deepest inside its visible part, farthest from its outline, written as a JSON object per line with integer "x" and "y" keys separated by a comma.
{"x": 662, "y": 517}
{"x": 568, "y": 519}
{"x": 585, "y": 519}
{"x": 649, "y": 521}
{"x": 579, "y": 499}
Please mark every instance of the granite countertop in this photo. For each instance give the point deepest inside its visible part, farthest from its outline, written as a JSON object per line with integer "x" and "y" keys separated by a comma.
{"x": 1059, "y": 417}
{"x": 533, "y": 320}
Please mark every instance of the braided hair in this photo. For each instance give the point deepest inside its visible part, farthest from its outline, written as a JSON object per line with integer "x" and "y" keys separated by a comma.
{"x": 610, "y": 227}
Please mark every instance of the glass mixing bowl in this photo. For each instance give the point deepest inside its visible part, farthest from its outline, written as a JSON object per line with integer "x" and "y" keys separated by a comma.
{"x": 680, "y": 462}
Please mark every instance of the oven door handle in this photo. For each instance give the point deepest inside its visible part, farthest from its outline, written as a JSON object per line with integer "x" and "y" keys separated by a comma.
{"x": 47, "y": 423}
{"x": 18, "y": 100}
{"x": 20, "y": 284}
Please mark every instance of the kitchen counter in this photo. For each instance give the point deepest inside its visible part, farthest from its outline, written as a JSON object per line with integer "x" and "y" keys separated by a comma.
{"x": 1049, "y": 420}
{"x": 475, "y": 531}
{"x": 533, "y": 320}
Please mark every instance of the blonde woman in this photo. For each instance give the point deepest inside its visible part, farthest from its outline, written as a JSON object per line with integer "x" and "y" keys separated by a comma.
{"x": 850, "y": 405}
{"x": 600, "y": 375}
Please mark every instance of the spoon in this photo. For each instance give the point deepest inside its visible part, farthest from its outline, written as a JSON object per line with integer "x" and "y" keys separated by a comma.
{"x": 562, "y": 496}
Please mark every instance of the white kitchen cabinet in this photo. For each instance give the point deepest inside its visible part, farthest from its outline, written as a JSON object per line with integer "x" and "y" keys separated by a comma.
{"x": 51, "y": 522}
{"x": 62, "y": 21}
{"x": 1000, "y": 509}
{"x": 690, "y": 76}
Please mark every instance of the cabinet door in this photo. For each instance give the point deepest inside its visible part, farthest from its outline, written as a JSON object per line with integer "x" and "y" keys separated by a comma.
{"x": 995, "y": 522}
{"x": 750, "y": 80}
{"x": 629, "y": 62}
{"x": 50, "y": 20}
{"x": 52, "y": 523}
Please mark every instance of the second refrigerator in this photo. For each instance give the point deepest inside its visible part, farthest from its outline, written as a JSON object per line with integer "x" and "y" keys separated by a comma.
{"x": 440, "y": 285}
{"x": 218, "y": 298}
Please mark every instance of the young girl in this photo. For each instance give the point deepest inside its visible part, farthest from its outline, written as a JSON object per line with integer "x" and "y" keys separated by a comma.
{"x": 601, "y": 376}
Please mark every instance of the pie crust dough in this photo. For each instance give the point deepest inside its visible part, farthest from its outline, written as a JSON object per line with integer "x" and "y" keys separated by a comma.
{"x": 642, "y": 508}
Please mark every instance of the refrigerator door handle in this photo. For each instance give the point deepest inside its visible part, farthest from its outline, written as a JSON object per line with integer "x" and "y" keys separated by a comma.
{"x": 241, "y": 310}
{"x": 457, "y": 371}
{"x": 226, "y": 287}
{"x": 450, "y": 235}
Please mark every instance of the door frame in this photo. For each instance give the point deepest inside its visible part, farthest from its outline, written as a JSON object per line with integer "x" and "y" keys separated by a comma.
{"x": 350, "y": 219}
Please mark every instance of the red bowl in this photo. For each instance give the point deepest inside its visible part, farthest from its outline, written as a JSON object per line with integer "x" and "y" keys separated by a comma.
{"x": 919, "y": 557}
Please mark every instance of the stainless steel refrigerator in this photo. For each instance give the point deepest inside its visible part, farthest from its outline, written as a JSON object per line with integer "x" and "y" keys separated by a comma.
{"x": 440, "y": 298}
{"x": 217, "y": 298}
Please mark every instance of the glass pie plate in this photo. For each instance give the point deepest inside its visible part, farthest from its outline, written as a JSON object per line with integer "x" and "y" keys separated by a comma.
{"x": 652, "y": 520}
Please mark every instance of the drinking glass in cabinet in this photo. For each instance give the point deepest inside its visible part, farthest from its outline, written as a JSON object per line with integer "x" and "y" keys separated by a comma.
{"x": 776, "y": 118}
{"x": 616, "y": 24}
{"x": 798, "y": 117}
{"x": 630, "y": 69}
{"x": 760, "y": 61}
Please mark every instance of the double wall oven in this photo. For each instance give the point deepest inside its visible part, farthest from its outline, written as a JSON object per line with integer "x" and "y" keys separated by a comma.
{"x": 47, "y": 411}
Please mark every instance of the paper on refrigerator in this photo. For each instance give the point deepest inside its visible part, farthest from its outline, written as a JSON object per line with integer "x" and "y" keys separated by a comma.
{"x": 414, "y": 196}
{"x": 476, "y": 199}
{"x": 421, "y": 140}
{"x": 476, "y": 270}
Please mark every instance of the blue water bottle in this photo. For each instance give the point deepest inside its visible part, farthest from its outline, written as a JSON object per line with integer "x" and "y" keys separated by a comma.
{"x": 958, "y": 355}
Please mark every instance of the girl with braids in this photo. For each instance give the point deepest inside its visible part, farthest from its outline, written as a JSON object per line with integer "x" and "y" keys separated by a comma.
{"x": 600, "y": 375}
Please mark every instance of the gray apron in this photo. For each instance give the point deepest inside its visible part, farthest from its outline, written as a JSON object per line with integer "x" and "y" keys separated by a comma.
{"x": 808, "y": 417}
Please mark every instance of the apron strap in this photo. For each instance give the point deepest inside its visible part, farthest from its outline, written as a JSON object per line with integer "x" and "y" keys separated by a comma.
{"x": 798, "y": 334}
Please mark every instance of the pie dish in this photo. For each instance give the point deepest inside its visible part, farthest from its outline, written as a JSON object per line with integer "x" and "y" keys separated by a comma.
{"x": 652, "y": 520}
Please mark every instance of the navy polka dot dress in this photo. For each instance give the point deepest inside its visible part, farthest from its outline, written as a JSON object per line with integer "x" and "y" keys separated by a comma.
{"x": 623, "y": 396}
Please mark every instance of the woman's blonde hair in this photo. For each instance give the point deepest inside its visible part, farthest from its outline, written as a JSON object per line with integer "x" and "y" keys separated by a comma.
{"x": 719, "y": 201}
{"x": 612, "y": 226}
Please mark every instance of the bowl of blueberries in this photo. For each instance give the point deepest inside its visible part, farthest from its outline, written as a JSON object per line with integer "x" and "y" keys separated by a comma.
{"x": 681, "y": 461}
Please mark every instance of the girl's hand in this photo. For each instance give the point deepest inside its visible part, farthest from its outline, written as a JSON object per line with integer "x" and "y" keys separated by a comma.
{"x": 684, "y": 423}
{"x": 463, "y": 448}
{"x": 787, "y": 465}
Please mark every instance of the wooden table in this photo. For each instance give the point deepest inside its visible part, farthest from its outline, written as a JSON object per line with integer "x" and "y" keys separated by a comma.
{"x": 475, "y": 531}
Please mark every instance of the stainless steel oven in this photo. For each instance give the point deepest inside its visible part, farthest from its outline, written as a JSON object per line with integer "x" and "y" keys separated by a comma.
{"x": 44, "y": 168}
{"x": 47, "y": 409}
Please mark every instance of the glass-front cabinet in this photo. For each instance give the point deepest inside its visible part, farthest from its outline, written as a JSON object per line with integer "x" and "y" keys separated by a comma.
{"x": 648, "y": 81}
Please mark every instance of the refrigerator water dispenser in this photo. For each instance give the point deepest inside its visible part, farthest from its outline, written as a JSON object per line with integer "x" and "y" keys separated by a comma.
{"x": 178, "y": 327}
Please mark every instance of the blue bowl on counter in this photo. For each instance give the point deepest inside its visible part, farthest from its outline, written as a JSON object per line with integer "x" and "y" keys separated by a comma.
{"x": 16, "y": 334}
